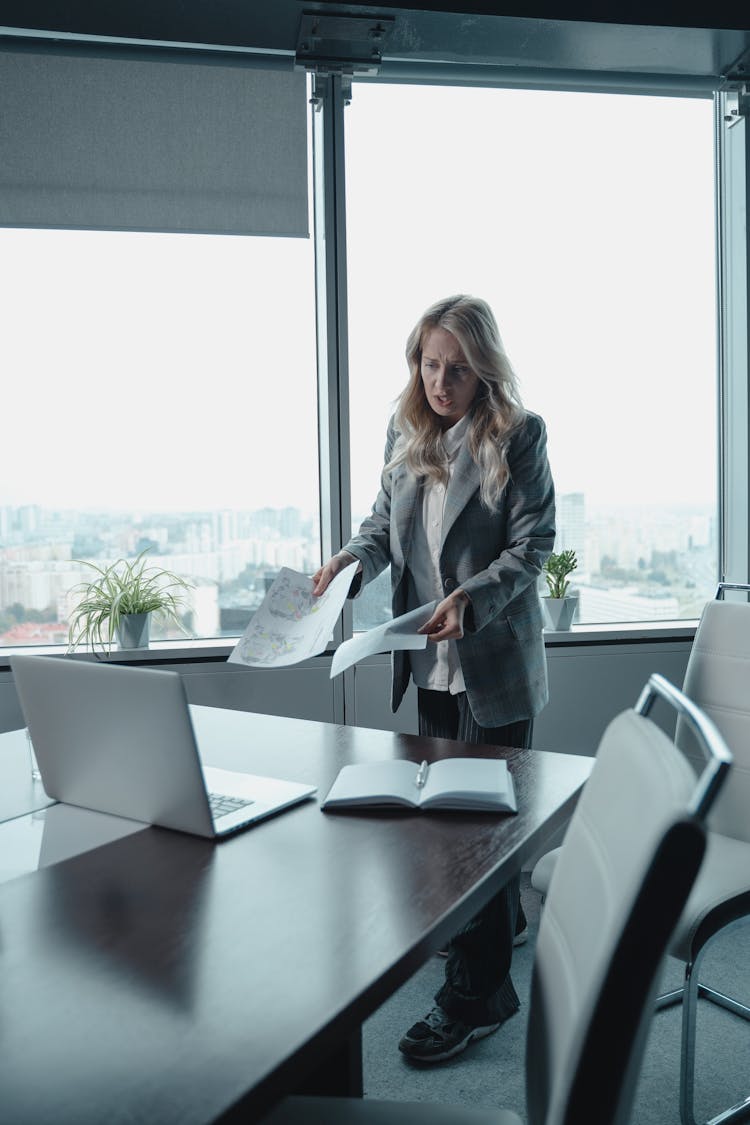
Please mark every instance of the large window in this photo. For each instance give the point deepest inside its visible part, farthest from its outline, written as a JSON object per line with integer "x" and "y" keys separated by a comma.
{"x": 161, "y": 388}
{"x": 587, "y": 221}
{"x": 159, "y": 392}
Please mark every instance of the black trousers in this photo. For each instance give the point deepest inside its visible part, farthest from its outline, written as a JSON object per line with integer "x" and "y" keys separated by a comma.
{"x": 478, "y": 989}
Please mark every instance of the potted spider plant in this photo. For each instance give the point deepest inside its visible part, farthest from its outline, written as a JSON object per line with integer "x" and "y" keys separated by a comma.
{"x": 120, "y": 600}
{"x": 559, "y": 604}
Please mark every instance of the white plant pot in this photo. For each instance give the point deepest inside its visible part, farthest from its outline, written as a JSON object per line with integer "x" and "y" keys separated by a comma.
{"x": 559, "y": 612}
{"x": 133, "y": 630}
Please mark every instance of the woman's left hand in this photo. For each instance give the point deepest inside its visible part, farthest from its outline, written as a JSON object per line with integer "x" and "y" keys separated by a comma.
{"x": 447, "y": 622}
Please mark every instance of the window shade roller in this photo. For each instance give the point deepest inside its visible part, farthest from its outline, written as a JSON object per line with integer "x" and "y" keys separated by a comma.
{"x": 133, "y": 143}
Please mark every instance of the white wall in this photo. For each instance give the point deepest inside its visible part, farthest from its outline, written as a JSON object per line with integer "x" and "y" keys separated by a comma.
{"x": 589, "y": 685}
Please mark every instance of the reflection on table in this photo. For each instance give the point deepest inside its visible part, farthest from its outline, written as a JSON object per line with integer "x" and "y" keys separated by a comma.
{"x": 162, "y": 977}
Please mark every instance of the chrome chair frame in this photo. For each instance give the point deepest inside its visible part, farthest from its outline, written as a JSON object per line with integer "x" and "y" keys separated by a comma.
{"x": 735, "y": 913}
{"x": 718, "y": 758}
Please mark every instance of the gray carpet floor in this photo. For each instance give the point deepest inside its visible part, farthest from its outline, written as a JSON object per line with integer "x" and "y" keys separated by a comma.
{"x": 491, "y": 1071}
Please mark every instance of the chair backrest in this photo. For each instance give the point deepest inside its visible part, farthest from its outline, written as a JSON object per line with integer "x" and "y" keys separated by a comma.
{"x": 718, "y": 680}
{"x": 629, "y": 859}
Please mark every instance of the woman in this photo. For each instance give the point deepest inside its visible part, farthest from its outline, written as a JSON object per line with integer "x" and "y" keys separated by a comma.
{"x": 465, "y": 515}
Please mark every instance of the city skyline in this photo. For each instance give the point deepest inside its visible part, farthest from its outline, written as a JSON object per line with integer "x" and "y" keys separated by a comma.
{"x": 634, "y": 563}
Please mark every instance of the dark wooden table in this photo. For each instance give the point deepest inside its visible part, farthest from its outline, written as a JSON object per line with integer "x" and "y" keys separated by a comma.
{"x": 162, "y": 978}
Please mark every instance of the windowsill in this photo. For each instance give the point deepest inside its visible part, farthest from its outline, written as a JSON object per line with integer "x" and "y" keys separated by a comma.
{"x": 621, "y": 631}
{"x": 158, "y": 652}
{"x": 218, "y": 649}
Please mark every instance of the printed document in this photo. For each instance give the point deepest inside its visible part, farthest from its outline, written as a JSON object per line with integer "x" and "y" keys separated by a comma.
{"x": 399, "y": 633}
{"x": 290, "y": 624}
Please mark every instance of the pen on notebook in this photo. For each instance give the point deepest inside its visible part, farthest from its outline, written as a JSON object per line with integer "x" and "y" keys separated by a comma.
{"x": 421, "y": 775}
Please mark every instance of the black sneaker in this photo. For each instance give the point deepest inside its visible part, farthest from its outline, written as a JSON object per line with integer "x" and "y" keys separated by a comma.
{"x": 439, "y": 1037}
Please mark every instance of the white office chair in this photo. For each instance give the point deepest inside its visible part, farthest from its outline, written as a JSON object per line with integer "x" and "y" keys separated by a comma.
{"x": 717, "y": 679}
{"x": 629, "y": 860}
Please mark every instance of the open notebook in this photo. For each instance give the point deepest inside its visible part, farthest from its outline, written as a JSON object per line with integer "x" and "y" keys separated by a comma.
{"x": 481, "y": 784}
{"x": 120, "y": 740}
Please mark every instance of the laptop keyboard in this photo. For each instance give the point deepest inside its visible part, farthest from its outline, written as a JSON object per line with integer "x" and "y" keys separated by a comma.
{"x": 221, "y": 804}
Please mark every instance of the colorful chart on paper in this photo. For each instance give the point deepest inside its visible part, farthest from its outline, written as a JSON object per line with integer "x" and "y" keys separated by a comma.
{"x": 290, "y": 624}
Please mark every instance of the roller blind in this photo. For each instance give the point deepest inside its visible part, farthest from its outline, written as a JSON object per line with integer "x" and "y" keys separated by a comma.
{"x": 118, "y": 142}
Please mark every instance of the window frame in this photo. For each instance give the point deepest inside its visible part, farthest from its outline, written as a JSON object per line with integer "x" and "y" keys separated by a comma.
{"x": 729, "y": 454}
{"x": 330, "y": 97}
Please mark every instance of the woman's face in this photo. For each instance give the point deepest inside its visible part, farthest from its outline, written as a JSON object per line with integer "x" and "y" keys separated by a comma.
{"x": 449, "y": 383}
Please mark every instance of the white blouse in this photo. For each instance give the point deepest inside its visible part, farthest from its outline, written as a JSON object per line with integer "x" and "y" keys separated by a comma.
{"x": 437, "y": 667}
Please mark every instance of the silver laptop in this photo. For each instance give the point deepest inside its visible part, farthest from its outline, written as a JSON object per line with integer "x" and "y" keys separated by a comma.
{"x": 121, "y": 740}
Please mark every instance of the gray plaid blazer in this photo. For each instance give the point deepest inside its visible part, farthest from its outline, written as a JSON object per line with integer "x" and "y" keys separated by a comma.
{"x": 495, "y": 557}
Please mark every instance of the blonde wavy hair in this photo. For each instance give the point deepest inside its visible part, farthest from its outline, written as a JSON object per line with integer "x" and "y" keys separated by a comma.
{"x": 496, "y": 413}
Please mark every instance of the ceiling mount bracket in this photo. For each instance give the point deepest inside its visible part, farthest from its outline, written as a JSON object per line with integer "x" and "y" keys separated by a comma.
{"x": 737, "y": 104}
{"x": 738, "y": 71}
{"x": 341, "y": 44}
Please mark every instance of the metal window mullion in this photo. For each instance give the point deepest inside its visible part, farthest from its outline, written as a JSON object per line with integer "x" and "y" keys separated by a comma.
{"x": 331, "y": 318}
{"x": 721, "y": 317}
{"x": 733, "y": 176}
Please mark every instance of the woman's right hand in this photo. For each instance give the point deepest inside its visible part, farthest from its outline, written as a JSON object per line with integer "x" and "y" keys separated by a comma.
{"x": 323, "y": 577}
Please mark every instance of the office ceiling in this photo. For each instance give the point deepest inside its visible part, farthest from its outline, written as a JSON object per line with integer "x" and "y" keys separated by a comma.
{"x": 568, "y": 38}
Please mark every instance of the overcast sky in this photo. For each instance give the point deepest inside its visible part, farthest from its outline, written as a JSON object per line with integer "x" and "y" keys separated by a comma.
{"x": 179, "y": 371}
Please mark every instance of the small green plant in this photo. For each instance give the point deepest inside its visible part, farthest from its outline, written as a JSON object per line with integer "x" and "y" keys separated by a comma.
{"x": 123, "y": 587}
{"x": 556, "y": 571}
